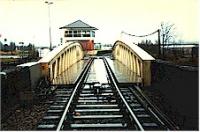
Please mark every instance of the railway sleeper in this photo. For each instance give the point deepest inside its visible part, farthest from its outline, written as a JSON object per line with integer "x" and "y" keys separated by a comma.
{"x": 51, "y": 117}
{"x": 97, "y": 121}
{"x": 61, "y": 98}
{"x": 95, "y": 110}
{"x": 98, "y": 112}
{"x": 91, "y": 90}
{"x": 57, "y": 106}
{"x": 61, "y": 101}
{"x": 97, "y": 106}
{"x": 63, "y": 91}
{"x": 95, "y": 98}
{"x": 96, "y": 101}
{"x": 63, "y": 95}
{"x": 97, "y": 116}
{"x": 54, "y": 111}
{"x": 92, "y": 94}
{"x": 98, "y": 126}
{"x": 46, "y": 127}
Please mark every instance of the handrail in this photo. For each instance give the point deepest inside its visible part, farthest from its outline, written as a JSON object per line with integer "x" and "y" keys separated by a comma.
{"x": 120, "y": 94}
{"x": 72, "y": 96}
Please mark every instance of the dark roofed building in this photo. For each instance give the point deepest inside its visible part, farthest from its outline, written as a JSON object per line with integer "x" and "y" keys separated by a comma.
{"x": 81, "y": 32}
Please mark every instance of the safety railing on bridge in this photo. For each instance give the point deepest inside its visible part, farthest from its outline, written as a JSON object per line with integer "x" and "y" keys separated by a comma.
{"x": 135, "y": 58}
{"x": 60, "y": 59}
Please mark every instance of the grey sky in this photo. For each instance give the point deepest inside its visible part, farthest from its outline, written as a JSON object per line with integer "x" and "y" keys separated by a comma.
{"x": 27, "y": 20}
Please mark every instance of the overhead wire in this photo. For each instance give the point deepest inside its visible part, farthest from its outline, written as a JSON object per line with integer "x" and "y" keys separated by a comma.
{"x": 139, "y": 35}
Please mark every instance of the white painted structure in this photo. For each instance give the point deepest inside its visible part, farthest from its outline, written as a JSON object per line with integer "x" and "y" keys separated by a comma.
{"x": 135, "y": 58}
{"x": 60, "y": 59}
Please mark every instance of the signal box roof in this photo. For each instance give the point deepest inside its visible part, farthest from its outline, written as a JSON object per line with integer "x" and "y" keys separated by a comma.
{"x": 78, "y": 25}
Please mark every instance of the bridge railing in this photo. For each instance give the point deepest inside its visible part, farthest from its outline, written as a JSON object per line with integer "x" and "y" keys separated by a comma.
{"x": 60, "y": 59}
{"x": 135, "y": 58}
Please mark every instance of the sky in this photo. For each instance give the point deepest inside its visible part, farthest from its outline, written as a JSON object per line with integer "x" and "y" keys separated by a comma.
{"x": 27, "y": 20}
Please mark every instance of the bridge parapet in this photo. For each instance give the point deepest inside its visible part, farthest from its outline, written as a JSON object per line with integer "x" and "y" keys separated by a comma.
{"x": 135, "y": 58}
{"x": 60, "y": 59}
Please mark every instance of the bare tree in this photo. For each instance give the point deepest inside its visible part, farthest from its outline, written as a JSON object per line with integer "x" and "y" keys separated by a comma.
{"x": 167, "y": 32}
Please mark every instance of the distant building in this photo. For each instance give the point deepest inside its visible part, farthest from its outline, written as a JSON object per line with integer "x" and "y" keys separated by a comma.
{"x": 106, "y": 46}
{"x": 97, "y": 46}
{"x": 81, "y": 32}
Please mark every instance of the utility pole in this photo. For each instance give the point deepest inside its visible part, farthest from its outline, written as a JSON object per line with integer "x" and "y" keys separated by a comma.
{"x": 163, "y": 43}
{"x": 49, "y": 3}
{"x": 159, "y": 47}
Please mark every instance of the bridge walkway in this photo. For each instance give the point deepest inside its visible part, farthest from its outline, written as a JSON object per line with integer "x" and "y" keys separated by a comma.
{"x": 122, "y": 73}
{"x": 70, "y": 75}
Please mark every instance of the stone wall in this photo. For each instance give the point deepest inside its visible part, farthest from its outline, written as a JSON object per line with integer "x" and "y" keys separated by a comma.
{"x": 17, "y": 87}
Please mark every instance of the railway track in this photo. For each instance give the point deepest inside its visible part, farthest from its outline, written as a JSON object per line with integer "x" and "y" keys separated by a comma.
{"x": 98, "y": 103}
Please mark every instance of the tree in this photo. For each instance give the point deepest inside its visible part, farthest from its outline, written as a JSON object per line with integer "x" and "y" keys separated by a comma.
{"x": 32, "y": 51}
{"x": 1, "y": 46}
{"x": 148, "y": 42}
{"x": 6, "y": 47}
{"x": 167, "y": 32}
{"x": 30, "y": 46}
{"x": 22, "y": 49}
{"x": 142, "y": 42}
{"x": 12, "y": 46}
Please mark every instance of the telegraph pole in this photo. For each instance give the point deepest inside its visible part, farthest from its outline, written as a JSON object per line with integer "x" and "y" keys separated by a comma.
{"x": 159, "y": 51}
{"x": 49, "y": 3}
{"x": 163, "y": 43}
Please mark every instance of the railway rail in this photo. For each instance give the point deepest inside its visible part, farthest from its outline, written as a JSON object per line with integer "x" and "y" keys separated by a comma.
{"x": 99, "y": 103}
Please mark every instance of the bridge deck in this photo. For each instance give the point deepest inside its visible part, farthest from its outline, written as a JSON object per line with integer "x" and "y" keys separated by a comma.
{"x": 122, "y": 73}
{"x": 98, "y": 72}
